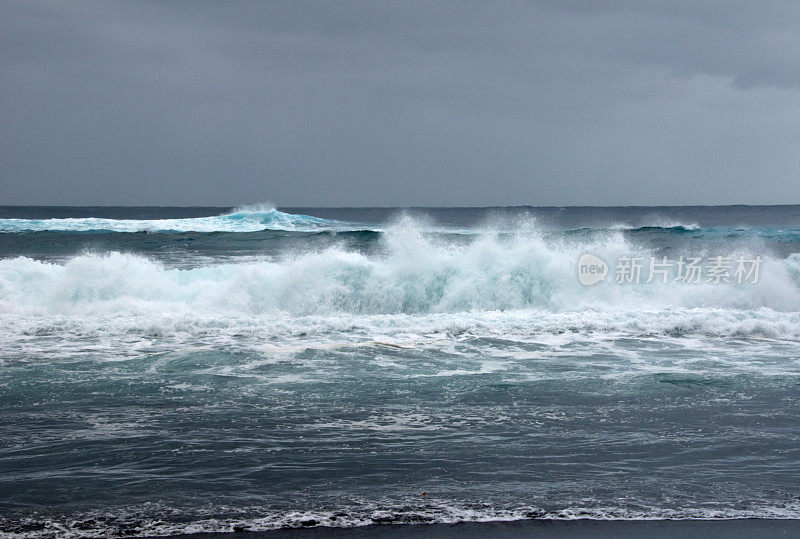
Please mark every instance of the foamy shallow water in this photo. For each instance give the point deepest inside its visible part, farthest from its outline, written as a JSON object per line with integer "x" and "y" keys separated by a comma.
{"x": 328, "y": 368}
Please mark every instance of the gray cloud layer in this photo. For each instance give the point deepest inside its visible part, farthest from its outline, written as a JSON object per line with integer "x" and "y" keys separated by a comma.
{"x": 399, "y": 103}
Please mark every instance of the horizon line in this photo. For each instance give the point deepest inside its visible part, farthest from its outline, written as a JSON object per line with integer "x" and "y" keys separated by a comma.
{"x": 494, "y": 206}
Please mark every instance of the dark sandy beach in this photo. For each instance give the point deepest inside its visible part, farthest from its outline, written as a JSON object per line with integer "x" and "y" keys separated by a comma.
{"x": 539, "y": 528}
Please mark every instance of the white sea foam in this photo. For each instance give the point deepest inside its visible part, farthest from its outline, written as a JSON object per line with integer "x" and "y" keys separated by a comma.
{"x": 413, "y": 275}
{"x": 243, "y": 219}
{"x": 433, "y": 512}
{"x": 417, "y": 293}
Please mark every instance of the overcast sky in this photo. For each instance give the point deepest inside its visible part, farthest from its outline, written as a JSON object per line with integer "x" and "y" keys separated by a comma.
{"x": 399, "y": 103}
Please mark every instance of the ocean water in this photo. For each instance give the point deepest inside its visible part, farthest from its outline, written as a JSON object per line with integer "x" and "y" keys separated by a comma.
{"x": 174, "y": 370}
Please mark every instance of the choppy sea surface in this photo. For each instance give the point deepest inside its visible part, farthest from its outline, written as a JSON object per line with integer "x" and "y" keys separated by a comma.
{"x": 178, "y": 370}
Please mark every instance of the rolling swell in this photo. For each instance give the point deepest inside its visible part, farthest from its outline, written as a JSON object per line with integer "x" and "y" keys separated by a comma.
{"x": 244, "y": 219}
{"x": 694, "y": 231}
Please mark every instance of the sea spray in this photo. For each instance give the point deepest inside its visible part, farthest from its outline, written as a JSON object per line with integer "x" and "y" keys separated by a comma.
{"x": 410, "y": 273}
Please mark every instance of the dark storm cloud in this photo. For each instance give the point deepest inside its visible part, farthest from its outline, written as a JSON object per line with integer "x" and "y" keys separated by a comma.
{"x": 399, "y": 103}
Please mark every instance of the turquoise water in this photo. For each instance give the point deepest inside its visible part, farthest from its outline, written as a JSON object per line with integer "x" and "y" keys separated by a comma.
{"x": 169, "y": 370}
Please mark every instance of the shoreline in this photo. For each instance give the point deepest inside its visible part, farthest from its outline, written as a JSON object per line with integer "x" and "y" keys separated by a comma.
{"x": 750, "y": 527}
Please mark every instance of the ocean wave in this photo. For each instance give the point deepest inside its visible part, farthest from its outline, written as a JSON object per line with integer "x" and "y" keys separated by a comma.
{"x": 412, "y": 274}
{"x": 431, "y": 513}
{"x": 243, "y": 219}
{"x": 502, "y": 342}
{"x": 413, "y": 331}
{"x": 656, "y": 224}
{"x": 495, "y": 286}
{"x": 725, "y": 232}
{"x": 262, "y": 217}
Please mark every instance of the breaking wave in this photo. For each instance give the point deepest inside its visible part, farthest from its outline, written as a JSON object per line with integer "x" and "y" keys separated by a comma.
{"x": 371, "y": 515}
{"x": 243, "y": 219}
{"x": 531, "y": 279}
